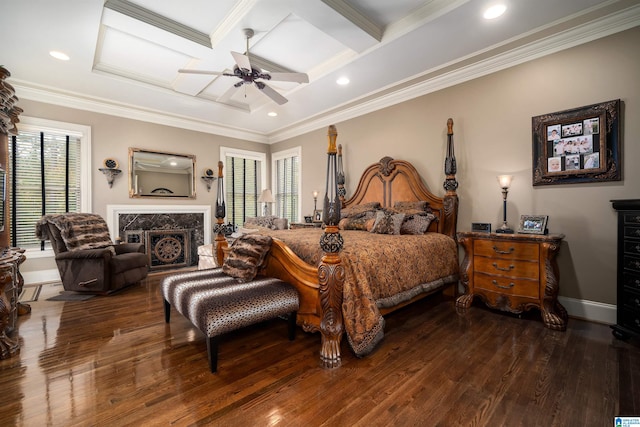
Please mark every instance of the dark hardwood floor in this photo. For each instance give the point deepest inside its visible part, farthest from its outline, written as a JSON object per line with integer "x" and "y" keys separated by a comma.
{"x": 112, "y": 361}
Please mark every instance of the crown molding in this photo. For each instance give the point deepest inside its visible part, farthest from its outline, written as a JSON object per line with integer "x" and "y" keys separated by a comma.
{"x": 416, "y": 86}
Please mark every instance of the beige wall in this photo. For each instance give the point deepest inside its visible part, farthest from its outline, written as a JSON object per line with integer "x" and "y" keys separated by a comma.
{"x": 492, "y": 128}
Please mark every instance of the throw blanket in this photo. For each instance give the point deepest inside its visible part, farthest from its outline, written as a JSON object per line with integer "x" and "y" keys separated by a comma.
{"x": 381, "y": 271}
{"x": 78, "y": 230}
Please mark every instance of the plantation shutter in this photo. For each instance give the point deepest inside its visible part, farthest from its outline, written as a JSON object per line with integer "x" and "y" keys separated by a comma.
{"x": 241, "y": 181}
{"x": 45, "y": 179}
{"x": 287, "y": 191}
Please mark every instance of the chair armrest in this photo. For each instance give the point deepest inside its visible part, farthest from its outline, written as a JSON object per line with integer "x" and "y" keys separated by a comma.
{"x": 85, "y": 254}
{"x": 124, "y": 248}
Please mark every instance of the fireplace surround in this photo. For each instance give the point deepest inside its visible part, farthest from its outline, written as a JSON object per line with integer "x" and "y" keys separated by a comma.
{"x": 171, "y": 233}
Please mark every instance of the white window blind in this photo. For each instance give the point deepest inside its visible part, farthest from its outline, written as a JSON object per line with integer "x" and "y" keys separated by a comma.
{"x": 241, "y": 182}
{"x": 45, "y": 177}
{"x": 286, "y": 171}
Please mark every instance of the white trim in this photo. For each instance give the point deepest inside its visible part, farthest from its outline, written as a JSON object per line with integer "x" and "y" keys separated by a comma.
{"x": 113, "y": 211}
{"x": 284, "y": 154}
{"x": 84, "y": 133}
{"x": 590, "y": 310}
{"x": 41, "y": 277}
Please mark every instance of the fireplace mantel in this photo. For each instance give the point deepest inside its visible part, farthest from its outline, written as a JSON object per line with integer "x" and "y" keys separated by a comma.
{"x": 114, "y": 211}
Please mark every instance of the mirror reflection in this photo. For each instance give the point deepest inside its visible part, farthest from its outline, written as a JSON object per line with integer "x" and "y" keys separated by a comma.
{"x": 158, "y": 174}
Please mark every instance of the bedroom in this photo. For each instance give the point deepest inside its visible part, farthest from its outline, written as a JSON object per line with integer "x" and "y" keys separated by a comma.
{"x": 493, "y": 136}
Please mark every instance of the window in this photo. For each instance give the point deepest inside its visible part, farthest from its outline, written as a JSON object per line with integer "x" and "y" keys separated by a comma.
{"x": 285, "y": 171}
{"x": 244, "y": 178}
{"x": 49, "y": 173}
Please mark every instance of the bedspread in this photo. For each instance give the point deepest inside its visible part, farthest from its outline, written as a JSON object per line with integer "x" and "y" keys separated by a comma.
{"x": 380, "y": 271}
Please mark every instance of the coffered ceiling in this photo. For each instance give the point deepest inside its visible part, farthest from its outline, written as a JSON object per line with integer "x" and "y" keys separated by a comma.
{"x": 125, "y": 54}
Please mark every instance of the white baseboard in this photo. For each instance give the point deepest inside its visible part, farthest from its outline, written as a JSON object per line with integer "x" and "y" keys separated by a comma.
{"x": 590, "y": 310}
{"x": 41, "y": 277}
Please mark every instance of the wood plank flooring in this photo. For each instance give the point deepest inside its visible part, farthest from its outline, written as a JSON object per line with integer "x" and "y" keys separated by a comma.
{"x": 112, "y": 361}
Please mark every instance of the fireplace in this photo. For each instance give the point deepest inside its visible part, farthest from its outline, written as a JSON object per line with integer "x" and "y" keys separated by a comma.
{"x": 171, "y": 234}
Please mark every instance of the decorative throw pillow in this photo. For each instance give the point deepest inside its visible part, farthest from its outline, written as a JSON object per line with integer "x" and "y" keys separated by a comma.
{"x": 387, "y": 223}
{"x": 246, "y": 256}
{"x": 416, "y": 224}
{"x": 359, "y": 223}
{"x": 260, "y": 221}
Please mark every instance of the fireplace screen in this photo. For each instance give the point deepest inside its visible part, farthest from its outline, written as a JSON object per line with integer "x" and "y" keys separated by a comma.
{"x": 168, "y": 248}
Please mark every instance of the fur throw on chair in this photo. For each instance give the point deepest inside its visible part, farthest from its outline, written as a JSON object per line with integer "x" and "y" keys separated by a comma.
{"x": 78, "y": 230}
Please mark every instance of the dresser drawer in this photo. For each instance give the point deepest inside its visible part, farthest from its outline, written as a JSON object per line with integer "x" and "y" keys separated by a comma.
{"x": 631, "y": 263}
{"x": 510, "y": 250}
{"x": 632, "y": 218}
{"x": 631, "y": 281}
{"x": 507, "y": 267}
{"x": 632, "y": 247}
{"x": 632, "y": 232}
{"x": 507, "y": 285}
{"x": 630, "y": 301}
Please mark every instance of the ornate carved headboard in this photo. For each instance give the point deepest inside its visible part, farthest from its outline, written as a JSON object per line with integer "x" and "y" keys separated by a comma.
{"x": 390, "y": 181}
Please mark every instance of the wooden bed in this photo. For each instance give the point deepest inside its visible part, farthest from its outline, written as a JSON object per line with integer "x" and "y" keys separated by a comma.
{"x": 321, "y": 286}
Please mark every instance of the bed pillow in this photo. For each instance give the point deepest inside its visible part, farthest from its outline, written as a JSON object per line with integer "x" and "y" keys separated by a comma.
{"x": 412, "y": 207}
{"x": 364, "y": 223}
{"x": 416, "y": 224}
{"x": 387, "y": 223}
{"x": 246, "y": 256}
{"x": 365, "y": 209}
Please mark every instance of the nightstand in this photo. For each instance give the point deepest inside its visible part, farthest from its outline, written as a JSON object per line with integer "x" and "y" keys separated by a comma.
{"x": 513, "y": 272}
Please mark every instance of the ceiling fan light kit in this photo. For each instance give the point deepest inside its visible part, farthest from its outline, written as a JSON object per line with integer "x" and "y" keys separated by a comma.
{"x": 250, "y": 75}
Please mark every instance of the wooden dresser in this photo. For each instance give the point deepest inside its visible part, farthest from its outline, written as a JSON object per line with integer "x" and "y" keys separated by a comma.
{"x": 513, "y": 272}
{"x": 628, "y": 264}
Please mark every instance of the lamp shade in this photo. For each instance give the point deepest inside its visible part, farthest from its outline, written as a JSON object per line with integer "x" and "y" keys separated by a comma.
{"x": 266, "y": 196}
{"x": 505, "y": 180}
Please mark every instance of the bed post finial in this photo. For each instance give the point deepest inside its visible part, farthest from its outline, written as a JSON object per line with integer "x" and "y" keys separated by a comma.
{"x": 330, "y": 271}
{"x": 342, "y": 192}
{"x": 221, "y": 212}
{"x": 450, "y": 183}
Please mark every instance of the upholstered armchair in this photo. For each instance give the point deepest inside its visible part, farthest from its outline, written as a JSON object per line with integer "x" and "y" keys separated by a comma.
{"x": 87, "y": 259}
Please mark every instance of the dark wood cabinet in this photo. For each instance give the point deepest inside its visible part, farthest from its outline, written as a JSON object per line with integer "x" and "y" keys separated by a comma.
{"x": 513, "y": 272}
{"x": 628, "y": 268}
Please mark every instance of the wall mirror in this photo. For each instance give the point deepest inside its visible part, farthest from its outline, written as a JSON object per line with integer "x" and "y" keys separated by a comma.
{"x": 158, "y": 174}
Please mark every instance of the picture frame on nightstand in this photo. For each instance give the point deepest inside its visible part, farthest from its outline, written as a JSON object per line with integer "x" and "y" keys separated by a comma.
{"x": 533, "y": 224}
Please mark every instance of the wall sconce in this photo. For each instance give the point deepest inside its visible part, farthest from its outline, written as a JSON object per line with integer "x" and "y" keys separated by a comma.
{"x": 110, "y": 170}
{"x": 266, "y": 197}
{"x": 505, "y": 182}
{"x": 208, "y": 178}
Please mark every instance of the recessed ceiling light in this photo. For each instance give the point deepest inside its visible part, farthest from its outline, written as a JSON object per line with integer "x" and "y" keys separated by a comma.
{"x": 494, "y": 11}
{"x": 272, "y": 114}
{"x": 342, "y": 81}
{"x": 59, "y": 55}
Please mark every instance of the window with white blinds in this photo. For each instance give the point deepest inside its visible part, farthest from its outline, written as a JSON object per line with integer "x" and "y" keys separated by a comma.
{"x": 244, "y": 179}
{"x": 286, "y": 176}
{"x": 45, "y": 174}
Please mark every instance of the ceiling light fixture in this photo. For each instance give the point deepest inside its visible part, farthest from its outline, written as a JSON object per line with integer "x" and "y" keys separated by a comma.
{"x": 272, "y": 114}
{"x": 494, "y": 11}
{"x": 59, "y": 55}
{"x": 343, "y": 81}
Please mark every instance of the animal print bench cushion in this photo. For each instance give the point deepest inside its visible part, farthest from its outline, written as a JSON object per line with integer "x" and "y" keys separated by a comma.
{"x": 246, "y": 256}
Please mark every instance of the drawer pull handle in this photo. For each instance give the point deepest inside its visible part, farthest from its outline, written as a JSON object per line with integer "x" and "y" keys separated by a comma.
{"x": 636, "y": 232}
{"x": 511, "y": 285}
{"x": 498, "y": 251}
{"x": 511, "y": 267}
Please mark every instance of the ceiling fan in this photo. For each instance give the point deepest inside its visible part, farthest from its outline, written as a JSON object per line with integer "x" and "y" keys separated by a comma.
{"x": 248, "y": 75}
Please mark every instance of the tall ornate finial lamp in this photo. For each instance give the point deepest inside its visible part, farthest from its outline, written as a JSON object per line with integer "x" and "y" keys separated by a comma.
{"x": 505, "y": 182}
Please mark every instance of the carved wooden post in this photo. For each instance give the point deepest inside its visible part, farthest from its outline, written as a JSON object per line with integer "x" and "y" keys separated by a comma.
{"x": 342, "y": 192}
{"x": 450, "y": 184}
{"x": 8, "y": 346}
{"x": 331, "y": 271}
{"x": 221, "y": 212}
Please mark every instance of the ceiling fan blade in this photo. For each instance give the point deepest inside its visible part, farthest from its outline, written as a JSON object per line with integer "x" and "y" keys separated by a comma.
{"x": 241, "y": 60}
{"x": 213, "y": 73}
{"x": 290, "y": 77}
{"x": 271, "y": 93}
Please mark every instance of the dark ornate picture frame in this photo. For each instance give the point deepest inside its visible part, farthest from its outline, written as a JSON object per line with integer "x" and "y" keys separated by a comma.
{"x": 578, "y": 146}
{"x": 533, "y": 224}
